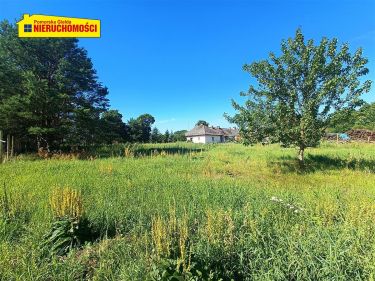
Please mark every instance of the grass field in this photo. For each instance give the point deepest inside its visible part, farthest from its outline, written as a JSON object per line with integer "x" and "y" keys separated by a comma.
{"x": 219, "y": 212}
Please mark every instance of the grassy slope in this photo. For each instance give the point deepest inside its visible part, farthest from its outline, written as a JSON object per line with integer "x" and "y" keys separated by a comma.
{"x": 223, "y": 193}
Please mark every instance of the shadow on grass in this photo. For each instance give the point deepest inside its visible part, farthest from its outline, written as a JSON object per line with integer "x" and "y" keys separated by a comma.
{"x": 149, "y": 151}
{"x": 314, "y": 163}
{"x": 144, "y": 151}
{"x": 118, "y": 150}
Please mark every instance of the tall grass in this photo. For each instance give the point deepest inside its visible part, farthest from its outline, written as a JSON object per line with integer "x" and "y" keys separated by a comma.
{"x": 195, "y": 212}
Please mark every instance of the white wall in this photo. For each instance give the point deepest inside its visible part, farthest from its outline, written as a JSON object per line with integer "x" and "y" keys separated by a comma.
{"x": 197, "y": 139}
{"x": 212, "y": 139}
{"x": 204, "y": 139}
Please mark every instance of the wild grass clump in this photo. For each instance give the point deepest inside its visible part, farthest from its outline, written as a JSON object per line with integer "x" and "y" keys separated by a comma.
{"x": 14, "y": 214}
{"x": 170, "y": 241}
{"x": 70, "y": 227}
{"x": 66, "y": 202}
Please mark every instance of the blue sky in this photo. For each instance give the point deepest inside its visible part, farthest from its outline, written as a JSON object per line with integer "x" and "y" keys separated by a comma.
{"x": 182, "y": 60}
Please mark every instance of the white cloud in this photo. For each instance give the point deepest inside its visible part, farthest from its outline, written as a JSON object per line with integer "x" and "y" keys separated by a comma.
{"x": 165, "y": 121}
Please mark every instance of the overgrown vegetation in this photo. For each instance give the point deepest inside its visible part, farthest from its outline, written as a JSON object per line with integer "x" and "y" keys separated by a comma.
{"x": 190, "y": 212}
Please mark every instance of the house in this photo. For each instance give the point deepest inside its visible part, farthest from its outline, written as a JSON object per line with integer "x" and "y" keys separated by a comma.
{"x": 206, "y": 134}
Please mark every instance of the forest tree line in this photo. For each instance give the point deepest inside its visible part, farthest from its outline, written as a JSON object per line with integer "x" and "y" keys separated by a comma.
{"x": 51, "y": 97}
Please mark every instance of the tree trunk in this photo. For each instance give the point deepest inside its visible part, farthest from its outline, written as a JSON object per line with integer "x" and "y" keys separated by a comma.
{"x": 38, "y": 142}
{"x": 301, "y": 156}
{"x": 1, "y": 146}
{"x": 12, "y": 146}
{"x": 8, "y": 146}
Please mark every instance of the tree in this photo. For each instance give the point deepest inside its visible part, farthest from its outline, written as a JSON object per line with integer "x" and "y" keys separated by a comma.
{"x": 365, "y": 117}
{"x": 347, "y": 119}
{"x": 134, "y": 130}
{"x": 180, "y": 135}
{"x": 113, "y": 128}
{"x": 140, "y": 128}
{"x": 167, "y": 136}
{"x": 49, "y": 91}
{"x": 342, "y": 120}
{"x": 299, "y": 90}
{"x": 172, "y": 136}
{"x": 146, "y": 121}
{"x": 156, "y": 136}
{"x": 202, "y": 122}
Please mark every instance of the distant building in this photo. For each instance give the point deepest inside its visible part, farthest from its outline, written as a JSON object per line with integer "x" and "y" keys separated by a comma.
{"x": 206, "y": 134}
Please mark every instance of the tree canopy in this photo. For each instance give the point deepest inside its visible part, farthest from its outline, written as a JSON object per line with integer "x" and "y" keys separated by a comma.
{"x": 140, "y": 128}
{"x": 347, "y": 119}
{"x": 299, "y": 90}
{"x": 202, "y": 122}
{"x": 49, "y": 93}
{"x": 113, "y": 128}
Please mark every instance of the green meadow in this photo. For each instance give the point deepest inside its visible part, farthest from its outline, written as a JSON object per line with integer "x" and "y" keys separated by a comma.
{"x": 190, "y": 212}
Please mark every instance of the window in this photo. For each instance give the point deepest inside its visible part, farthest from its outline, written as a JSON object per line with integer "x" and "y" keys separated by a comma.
{"x": 27, "y": 27}
{"x": 213, "y": 138}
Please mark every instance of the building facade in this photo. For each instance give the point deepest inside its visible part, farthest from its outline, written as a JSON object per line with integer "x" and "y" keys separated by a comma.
{"x": 206, "y": 134}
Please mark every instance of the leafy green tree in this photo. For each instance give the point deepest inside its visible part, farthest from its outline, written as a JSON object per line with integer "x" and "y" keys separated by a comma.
{"x": 49, "y": 91}
{"x": 299, "y": 90}
{"x": 146, "y": 121}
{"x": 140, "y": 128}
{"x": 134, "y": 130}
{"x": 179, "y": 135}
{"x": 342, "y": 120}
{"x": 113, "y": 128}
{"x": 202, "y": 122}
{"x": 365, "y": 117}
{"x": 172, "y": 137}
{"x": 167, "y": 136}
{"x": 347, "y": 119}
{"x": 156, "y": 136}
